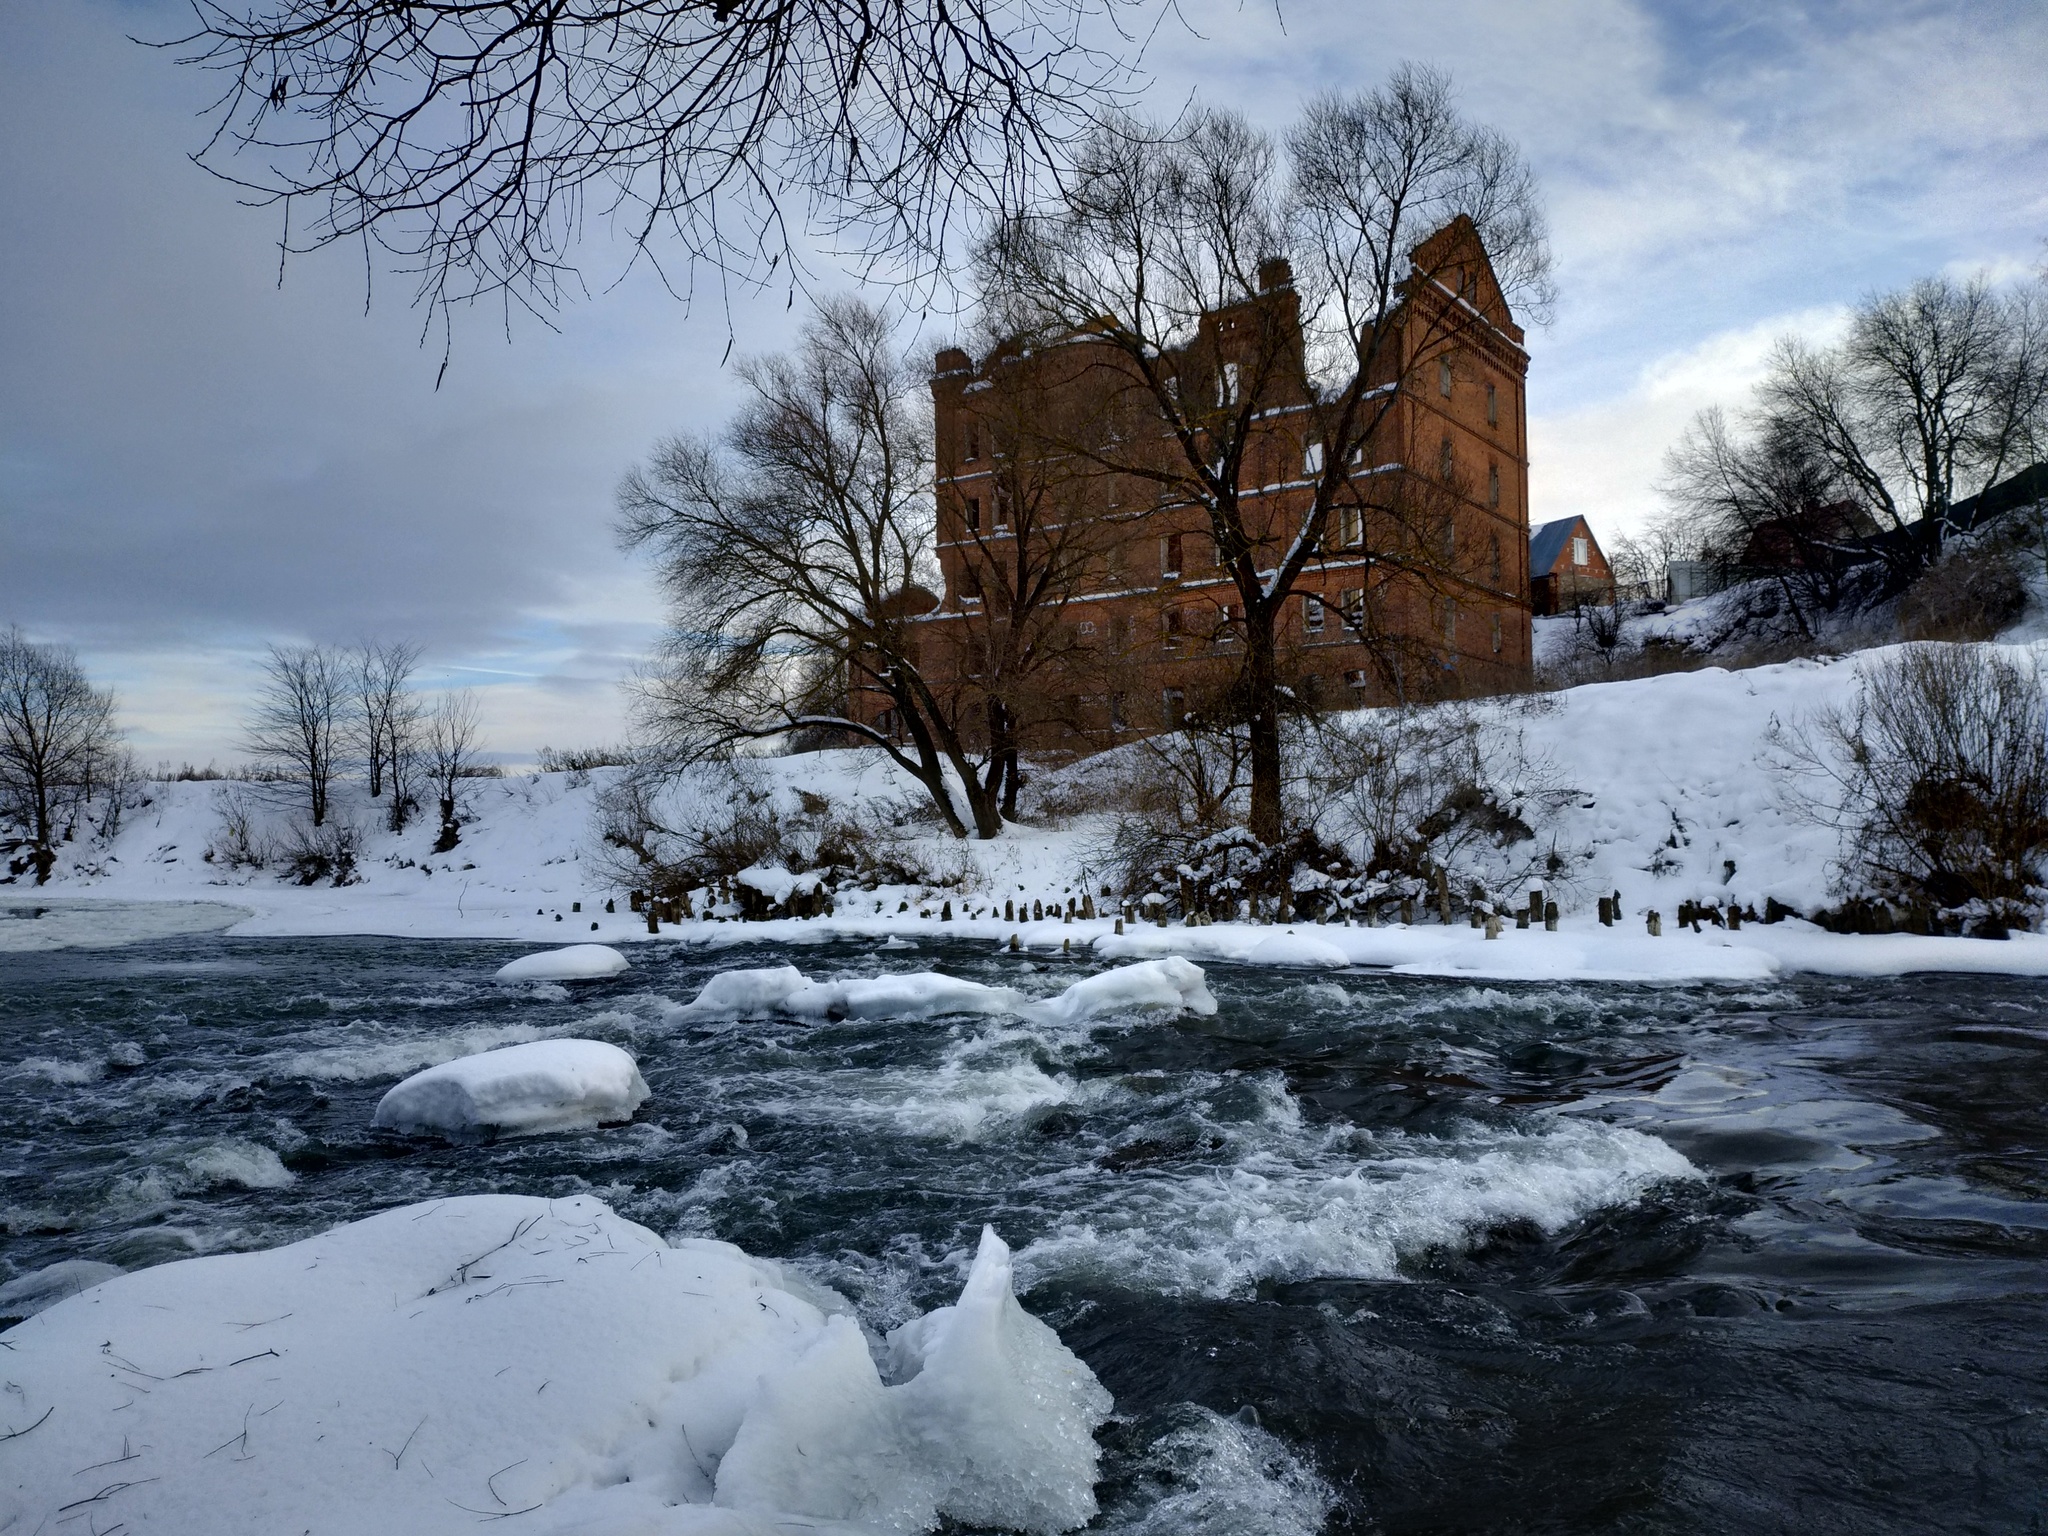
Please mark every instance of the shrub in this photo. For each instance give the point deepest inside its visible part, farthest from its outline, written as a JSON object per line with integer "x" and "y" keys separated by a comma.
{"x": 1972, "y": 595}
{"x": 326, "y": 852}
{"x": 1936, "y": 779}
{"x": 241, "y": 840}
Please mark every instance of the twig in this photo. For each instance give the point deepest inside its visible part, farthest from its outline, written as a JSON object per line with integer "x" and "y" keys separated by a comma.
{"x": 126, "y": 1455}
{"x": 105, "y": 1493}
{"x": 495, "y": 1514}
{"x": 491, "y": 1482}
{"x": 395, "y": 1460}
{"x": 16, "y": 1434}
{"x": 271, "y": 1353}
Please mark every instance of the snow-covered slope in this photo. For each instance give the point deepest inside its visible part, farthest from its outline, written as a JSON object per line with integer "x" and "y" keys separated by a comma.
{"x": 1676, "y": 799}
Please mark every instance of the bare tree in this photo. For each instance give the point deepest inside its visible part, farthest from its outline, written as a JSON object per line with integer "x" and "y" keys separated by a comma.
{"x": 1147, "y": 263}
{"x": 299, "y": 718}
{"x": 1768, "y": 500}
{"x": 470, "y": 137}
{"x": 796, "y": 553}
{"x": 1937, "y": 392}
{"x": 383, "y": 710}
{"x": 57, "y": 739}
{"x": 453, "y": 737}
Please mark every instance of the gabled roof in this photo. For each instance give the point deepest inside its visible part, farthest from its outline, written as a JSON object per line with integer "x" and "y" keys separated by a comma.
{"x": 1546, "y": 544}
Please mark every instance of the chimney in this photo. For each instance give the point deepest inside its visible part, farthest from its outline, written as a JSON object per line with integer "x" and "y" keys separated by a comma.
{"x": 1275, "y": 272}
{"x": 952, "y": 360}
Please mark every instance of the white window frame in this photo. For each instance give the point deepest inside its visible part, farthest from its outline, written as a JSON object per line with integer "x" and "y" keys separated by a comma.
{"x": 1312, "y": 459}
{"x": 1582, "y": 550}
{"x": 1312, "y": 616}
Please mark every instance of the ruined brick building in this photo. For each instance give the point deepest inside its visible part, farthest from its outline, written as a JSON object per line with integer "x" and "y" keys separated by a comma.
{"x": 1096, "y": 603}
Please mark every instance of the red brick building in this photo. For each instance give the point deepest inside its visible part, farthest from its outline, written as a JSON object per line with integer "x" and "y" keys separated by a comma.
{"x": 1419, "y": 590}
{"x": 1567, "y": 568}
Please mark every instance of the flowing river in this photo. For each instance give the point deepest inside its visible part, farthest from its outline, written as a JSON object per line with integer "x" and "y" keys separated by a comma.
{"x": 1358, "y": 1253}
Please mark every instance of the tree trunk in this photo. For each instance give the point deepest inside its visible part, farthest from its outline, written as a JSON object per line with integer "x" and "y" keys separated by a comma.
{"x": 1262, "y": 690}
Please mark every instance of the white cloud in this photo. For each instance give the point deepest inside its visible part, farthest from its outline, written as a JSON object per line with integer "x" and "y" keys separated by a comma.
{"x": 1601, "y": 461}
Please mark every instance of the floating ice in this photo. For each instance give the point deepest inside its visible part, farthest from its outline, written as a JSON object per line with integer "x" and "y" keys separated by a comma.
{"x": 28, "y": 1294}
{"x": 579, "y": 962}
{"x": 545, "y": 1085}
{"x": 503, "y": 1355}
{"x": 1169, "y": 983}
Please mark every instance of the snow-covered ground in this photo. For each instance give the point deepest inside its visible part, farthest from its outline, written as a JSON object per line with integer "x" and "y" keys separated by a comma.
{"x": 1675, "y": 798}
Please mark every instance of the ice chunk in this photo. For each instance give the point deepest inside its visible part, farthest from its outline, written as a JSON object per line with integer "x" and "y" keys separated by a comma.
{"x": 825, "y": 1436}
{"x": 1005, "y": 1412}
{"x": 579, "y": 962}
{"x": 496, "y": 1353}
{"x": 26, "y": 1295}
{"x": 1170, "y": 983}
{"x": 545, "y": 1085}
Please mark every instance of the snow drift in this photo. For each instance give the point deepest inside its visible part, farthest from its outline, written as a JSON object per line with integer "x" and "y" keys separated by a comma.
{"x": 579, "y": 962}
{"x": 519, "y": 1090}
{"x": 500, "y": 1355}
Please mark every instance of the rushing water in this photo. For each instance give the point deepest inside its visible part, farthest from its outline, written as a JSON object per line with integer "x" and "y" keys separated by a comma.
{"x": 1358, "y": 1253}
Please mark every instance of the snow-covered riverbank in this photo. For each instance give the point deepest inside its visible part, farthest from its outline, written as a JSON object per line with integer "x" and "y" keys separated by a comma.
{"x": 1676, "y": 798}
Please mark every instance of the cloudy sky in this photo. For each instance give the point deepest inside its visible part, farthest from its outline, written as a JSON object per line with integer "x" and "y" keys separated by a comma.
{"x": 195, "y": 462}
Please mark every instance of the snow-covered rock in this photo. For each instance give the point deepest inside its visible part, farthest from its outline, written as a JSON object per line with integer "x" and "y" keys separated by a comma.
{"x": 579, "y": 962}
{"x": 496, "y": 1356}
{"x": 28, "y": 1294}
{"x": 518, "y": 1090}
{"x": 1169, "y": 983}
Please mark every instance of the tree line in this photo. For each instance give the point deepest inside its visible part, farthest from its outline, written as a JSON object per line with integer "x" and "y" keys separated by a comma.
{"x": 320, "y": 712}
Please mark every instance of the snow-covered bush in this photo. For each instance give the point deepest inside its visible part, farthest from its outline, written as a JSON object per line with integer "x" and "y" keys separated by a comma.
{"x": 1936, "y": 779}
{"x": 243, "y": 838}
{"x": 673, "y": 831}
{"x": 1445, "y": 798}
{"x": 327, "y": 852}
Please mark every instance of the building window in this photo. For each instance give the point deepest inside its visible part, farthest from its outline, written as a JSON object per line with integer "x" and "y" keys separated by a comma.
{"x": 1312, "y": 459}
{"x": 1493, "y": 485}
{"x": 1447, "y": 539}
{"x": 972, "y": 514}
{"x": 1350, "y": 527}
{"x": 1002, "y": 506}
{"x": 1355, "y": 678}
{"x": 1312, "y": 614}
{"x": 1174, "y": 706}
{"x": 1492, "y": 406}
{"x": 1351, "y": 605}
{"x": 1494, "y": 554}
{"x": 1443, "y": 377}
{"x": 1116, "y": 712}
{"x": 1446, "y": 458}
{"x": 1579, "y": 552}
{"x": 1226, "y": 387}
{"x": 1496, "y": 634}
{"x": 1450, "y": 621}
{"x": 973, "y": 442}
{"x": 1171, "y": 627}
{"x": 1169, "y": 556}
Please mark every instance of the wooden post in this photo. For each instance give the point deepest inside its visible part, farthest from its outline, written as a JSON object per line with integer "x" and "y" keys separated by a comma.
{"x": 1655, "y": 922}
{"x": 1550, "y": 917}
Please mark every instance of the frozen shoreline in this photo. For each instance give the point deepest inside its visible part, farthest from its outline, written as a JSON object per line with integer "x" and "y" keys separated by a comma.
{"x": 1580, "y": 950}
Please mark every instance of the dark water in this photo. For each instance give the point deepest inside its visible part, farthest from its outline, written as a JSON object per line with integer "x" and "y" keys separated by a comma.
{"x": 1358, "y": 1254}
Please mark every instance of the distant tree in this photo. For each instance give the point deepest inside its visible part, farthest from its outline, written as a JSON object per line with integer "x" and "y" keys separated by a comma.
{"x": 1154, "y": 228}
{"x": 58, "y": 740}
{"x": 299, "y": 718}
{"x": 453, "y": 738}
{"x": 1938, "y": 391}
{"x": 470, "y": 137}
{"x": 383, "y": 711}
{"x": 796, "y": 552}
